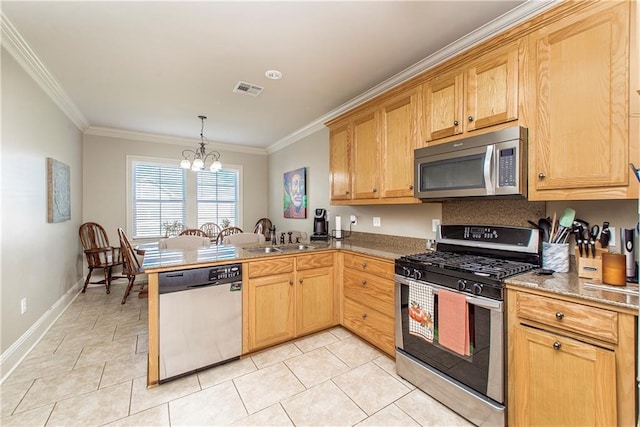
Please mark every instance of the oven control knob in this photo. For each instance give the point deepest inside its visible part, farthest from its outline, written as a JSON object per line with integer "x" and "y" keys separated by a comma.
{"x": 477, "y": 288}
{"x": 417, "y": 274}
{"x": 406, "y": 271}
{"x": 462, "y": 284}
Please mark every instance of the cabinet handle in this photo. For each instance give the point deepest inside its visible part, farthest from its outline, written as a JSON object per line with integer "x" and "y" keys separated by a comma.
{"x": 364, "y": 316}
{"x": 300, "y": 281}
{"x": 456, "y": 123}
{"x": 557, "y": 345}
{"x": 541, "y": 175}
{"x": 375, "y": 190}
{"x": 364, "y": 282}
{"x": 470, "y": 118}
{"x": 346, "y": 192}
{"x": 559, "y": 315}
{"x": 411, "y": 187}
{"x": 364, "y": 265}
{"x": 290, "y": 282}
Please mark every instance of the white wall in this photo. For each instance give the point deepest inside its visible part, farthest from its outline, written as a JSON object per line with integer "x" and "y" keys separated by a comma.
{"x": 313, "y": 152}
{"x": 40, "y": 261}
{"x": 105, "y": 161}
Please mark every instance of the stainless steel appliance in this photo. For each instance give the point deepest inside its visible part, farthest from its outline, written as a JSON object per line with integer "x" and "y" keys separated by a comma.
{"x": 488, "y": 165}
{"x": 471, "y": 261}
{"x": 200, "y": 319}
{"x": 627, "y": 237}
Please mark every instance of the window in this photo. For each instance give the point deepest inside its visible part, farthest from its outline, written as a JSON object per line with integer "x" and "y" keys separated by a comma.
{"x": 217, "y": 196}
{"x": 158, "y": 198}
{"x": 162, "y": 192}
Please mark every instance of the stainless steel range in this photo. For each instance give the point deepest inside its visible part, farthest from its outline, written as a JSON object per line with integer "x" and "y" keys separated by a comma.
{"x": 450, "y": 328}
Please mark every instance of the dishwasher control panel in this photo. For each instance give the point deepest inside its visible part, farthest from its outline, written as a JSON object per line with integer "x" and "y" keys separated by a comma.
{"x": 174, "y": 281}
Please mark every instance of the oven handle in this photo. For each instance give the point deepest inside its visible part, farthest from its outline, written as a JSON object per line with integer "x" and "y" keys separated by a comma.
{"x": 487, "y": 303}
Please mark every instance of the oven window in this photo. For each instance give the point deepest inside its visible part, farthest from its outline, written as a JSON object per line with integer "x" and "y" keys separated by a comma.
{"x": 460, "y": 173}
{"x": 470, "y": 370}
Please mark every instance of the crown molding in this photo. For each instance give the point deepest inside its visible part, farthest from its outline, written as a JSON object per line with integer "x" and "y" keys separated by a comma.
{"x": 163, "y": 139}
{"x": 13, "y": 42}
{"x": 502, "y": 23}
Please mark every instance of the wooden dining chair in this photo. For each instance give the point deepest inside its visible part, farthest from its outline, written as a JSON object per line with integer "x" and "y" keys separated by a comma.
{"x": 211, "y": 228}
{"x": 132, "y": 267}
{"x": 263, "y": 226}
{"x": 193, "y": 232}
{"x": 99, "y": 254}
{"x": 226, "y": 232}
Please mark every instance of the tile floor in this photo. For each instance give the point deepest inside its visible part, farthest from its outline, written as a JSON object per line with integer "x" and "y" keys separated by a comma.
{"x": 90, "y": 370}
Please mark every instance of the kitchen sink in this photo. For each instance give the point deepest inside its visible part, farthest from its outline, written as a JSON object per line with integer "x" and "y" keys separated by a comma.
{"x": 264, "y": 250}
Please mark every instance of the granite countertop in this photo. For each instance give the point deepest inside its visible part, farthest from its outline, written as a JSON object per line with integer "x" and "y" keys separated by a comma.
{"x": 166, "y": 259}
{"x": 569, "y": 284}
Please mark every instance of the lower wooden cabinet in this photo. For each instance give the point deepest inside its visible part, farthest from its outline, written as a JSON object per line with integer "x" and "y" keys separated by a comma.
{"x": 569, "y": 363}
{"x": 368, "y": 305}
{"x": 287, "y": 297}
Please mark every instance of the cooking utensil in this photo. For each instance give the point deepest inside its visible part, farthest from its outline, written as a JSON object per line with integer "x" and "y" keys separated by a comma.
{"x": 553, "y": 228}
{"x": 565, "y": 223}
{"x": 545, "y": 227}
{"x": 579, "y": 237}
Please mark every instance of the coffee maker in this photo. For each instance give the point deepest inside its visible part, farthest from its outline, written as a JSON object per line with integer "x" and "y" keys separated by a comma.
{"x": 320, "y": 225}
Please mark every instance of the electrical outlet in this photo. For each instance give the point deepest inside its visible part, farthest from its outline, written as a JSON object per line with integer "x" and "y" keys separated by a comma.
{"x": 434, "y": 224}
{"x": 613, "y": 237}
{"x": 23, "y": 305}
{"x": 376, "y": 221}
{"x": 353, "y": 220}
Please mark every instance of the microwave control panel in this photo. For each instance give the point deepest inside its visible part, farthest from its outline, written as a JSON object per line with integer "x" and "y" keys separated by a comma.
{"x": 507, "y": 167}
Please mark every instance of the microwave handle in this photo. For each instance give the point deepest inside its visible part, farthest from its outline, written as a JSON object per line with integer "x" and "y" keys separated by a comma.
{"x": 488, "y": 163}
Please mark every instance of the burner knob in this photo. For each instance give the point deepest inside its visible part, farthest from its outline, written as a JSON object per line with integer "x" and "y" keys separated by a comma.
{"x": 417, "y": 274}
{"x": 477, "y": 288}
{"x": 406, "y": 271}
{"x": 462, "y": 284}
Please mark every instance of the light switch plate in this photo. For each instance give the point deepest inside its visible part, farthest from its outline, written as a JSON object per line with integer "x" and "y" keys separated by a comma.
{"x": 434, "y": 224}
{"x": 376, "y": 221}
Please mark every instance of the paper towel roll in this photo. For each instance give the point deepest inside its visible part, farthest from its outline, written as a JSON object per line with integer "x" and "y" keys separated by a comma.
{"x": 338, "y": 227}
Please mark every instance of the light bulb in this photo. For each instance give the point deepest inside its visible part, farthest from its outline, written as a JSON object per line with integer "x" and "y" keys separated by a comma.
{"x": 216, "y": 165}
{"x": 185, "y": 164}
{"x": 198, "y": 164}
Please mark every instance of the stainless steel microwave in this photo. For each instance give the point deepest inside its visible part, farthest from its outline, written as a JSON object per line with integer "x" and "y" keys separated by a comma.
{"x": 488, "y": 165}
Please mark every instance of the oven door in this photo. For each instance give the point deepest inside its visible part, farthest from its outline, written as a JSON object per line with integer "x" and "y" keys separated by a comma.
{"x": 483, "y": 370}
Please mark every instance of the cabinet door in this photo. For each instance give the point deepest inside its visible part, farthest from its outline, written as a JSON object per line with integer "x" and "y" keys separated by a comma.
{"x": 560, "y": 381}
{"x": 340, "y": 162}
{"x": 399, "y": 137}
{"x": 443, "y": 105}
{"x": 581, "y": 137}
{"x": 492, "y": 91}
{"x": 270, "y": 310}
{"x": 365, "y": 157}
{"x": 314, "y": 300}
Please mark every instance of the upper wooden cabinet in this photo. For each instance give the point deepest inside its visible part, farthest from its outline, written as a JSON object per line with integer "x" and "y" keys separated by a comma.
{"x": 375, "y": 150}
{"x": 580, "y": 135}
{"x": 482, "y": 95}
{"x": 340, "y": 162}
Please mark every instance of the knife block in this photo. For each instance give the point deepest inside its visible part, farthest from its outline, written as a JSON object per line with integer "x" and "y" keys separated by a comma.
{"x": 588, "y": 267}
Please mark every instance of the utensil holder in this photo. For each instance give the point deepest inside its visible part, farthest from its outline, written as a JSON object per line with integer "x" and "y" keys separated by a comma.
{"x": 555, "y": 256}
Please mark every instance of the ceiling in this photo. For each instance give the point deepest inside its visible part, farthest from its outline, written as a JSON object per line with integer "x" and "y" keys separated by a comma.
{"x": 152, "y": 67}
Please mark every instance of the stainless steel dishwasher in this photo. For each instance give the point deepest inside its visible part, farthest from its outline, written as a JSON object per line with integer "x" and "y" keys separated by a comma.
{"x": 200, "y": 319}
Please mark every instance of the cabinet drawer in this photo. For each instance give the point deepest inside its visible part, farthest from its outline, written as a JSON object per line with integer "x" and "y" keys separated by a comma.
{"x": 590, "y": 321}
{"x": 369, "y": 290}
{"x": 371, "y": 325}
{"x": 275, "y": 265}
{"x": 306, "y": 262}
{"x": 370, "y": 265}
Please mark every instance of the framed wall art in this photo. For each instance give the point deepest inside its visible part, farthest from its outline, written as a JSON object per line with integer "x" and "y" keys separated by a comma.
{"x": 58, "y": 191}
{"x": 295, "y": 193}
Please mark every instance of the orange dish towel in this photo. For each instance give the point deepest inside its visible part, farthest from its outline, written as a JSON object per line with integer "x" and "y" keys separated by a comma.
{"x": 453, "y": 322}
{"x": 421, "y": 310}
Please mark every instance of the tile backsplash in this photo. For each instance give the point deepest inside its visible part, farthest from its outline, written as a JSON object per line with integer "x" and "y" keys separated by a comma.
{"x": 512, "y": 212}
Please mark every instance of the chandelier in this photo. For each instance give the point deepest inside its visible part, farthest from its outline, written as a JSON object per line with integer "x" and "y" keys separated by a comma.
{"x": 196, "y": 160}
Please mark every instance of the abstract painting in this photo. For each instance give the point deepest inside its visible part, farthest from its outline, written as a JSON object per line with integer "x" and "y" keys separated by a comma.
{"x": 58, "y": 191}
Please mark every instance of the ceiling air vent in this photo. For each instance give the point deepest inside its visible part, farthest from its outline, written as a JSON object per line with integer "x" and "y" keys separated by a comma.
{"x": 248, "y": 88}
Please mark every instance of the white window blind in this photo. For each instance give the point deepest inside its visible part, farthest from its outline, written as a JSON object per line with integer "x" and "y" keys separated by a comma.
{"x": 158, "y": 197}
{"x": 217, "y": 196}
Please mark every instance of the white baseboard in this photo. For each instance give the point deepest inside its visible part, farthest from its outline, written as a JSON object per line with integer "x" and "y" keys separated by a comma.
{"x": 11, "y": 358}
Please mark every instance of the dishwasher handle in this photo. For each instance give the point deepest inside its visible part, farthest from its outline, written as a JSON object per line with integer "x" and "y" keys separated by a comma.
{"x": 204, "y": 285}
